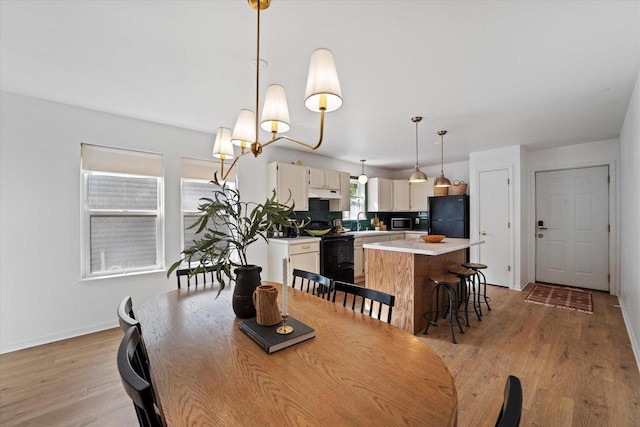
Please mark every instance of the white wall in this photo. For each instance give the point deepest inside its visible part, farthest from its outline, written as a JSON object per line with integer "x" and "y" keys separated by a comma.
{"x": 572, "y": 156}
{"x": 629, "y": 293}
{"x": 42, "y": 298}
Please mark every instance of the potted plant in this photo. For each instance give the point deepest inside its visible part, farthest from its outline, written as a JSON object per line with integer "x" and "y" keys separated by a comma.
{"x": 225, "y": 229}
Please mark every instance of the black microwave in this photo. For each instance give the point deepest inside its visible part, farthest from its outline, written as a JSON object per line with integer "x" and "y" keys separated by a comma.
{"x": 401, "y": 223}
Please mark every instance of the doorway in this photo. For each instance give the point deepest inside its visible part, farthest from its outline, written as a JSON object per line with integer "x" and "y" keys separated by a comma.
{"x": 572, "y": 227}
{"x": 495, "y": 228}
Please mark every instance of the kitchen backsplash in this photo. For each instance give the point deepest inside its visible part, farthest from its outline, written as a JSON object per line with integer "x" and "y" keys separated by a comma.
{"x": 319, "y": 211}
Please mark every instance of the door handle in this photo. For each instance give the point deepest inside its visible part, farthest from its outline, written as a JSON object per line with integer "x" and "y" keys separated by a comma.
{"x": 484, "y": 233}
{"x": 540, "y": 235}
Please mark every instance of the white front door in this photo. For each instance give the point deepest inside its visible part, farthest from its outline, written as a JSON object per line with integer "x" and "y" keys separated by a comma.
{"x": 572, "y": 227}
{"x": 494, "y": 226}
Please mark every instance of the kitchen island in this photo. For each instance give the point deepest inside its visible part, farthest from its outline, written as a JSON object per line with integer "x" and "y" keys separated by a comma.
{"x": 403, "y": 268}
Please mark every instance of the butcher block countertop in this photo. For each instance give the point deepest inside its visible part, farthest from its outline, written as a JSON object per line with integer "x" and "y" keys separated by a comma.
{"x": 420, "y": 247}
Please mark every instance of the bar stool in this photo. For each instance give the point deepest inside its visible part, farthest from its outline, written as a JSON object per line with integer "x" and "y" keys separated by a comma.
{"x": 476, "y": 266}
{"x": 464, "y": 276}
{"x": 449, "y": 295}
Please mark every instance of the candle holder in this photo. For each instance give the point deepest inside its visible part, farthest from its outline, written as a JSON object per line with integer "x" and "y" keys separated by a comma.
{"x": 284, "y": 329}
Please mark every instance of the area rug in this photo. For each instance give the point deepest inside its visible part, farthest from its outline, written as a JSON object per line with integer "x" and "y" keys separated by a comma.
{"x": 562, "y": 297}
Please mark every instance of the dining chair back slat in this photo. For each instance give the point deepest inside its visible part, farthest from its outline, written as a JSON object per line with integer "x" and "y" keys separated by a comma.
{"x": 362, "y": 297}
{"x": 312, "y": 283}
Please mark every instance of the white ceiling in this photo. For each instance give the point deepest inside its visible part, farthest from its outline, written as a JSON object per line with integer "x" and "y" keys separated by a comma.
{"x": 492, "y": 73}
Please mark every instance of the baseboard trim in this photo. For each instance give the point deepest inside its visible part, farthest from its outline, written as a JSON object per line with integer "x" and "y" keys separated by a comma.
{"x": 635, "y": 344}
{"x": 47, "y": 339}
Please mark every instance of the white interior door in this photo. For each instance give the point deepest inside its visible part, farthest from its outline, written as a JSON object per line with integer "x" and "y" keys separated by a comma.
{"x": 572, "y": 227}
{"x": 494, "y": 226}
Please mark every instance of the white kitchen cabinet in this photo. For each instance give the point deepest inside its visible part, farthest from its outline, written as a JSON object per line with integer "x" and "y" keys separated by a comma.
{"x": 419, "y": 196}
{"x": 401, "y": 195}
{"x": 396, "y": 237}
{"x": 380, "y": 195}
{"x": 320, "y": 178}
{"x": 285, "y": 178}
{"x": 342, "y": 204}
{"x": 301, "y": 253}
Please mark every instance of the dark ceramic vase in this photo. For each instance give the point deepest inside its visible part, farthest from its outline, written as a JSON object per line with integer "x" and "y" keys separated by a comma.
{"x": 247, "y": 280}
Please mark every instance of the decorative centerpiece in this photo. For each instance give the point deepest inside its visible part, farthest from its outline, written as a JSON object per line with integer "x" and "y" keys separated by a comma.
{"x": 432, "y": 238}
{"x": 225, "y": 230}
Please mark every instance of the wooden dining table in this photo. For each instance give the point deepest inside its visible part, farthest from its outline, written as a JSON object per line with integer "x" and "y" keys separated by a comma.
{"x": 356, "y": 371}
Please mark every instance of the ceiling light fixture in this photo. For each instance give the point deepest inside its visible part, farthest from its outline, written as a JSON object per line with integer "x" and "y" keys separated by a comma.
{"x": 362, "y": 179}
{"x": 322, "y": 95}
{"x": 441, "y": 181}
{"x": 417, "y": 175}
{"x": 222, "y": 148}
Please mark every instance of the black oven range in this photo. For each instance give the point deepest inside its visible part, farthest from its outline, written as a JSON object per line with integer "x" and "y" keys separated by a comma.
{"x": 336, "y": 254}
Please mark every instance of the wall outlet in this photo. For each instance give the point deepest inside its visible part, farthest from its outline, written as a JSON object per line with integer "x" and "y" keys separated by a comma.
{"x": 417, "y": 221}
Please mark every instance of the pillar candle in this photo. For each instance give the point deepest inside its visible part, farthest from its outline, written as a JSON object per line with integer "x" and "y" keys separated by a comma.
{"x": 284, "y": 286}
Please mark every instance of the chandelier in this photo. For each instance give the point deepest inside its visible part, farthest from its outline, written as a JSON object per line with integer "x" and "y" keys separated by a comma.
{"x": 322, "y": 95}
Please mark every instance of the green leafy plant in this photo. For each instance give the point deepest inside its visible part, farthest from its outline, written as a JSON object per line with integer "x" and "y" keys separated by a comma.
{"x": 226, "y": 228}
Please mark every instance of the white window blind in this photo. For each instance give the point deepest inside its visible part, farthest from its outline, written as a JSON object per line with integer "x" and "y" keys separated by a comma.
{"x": 122, "y": 211}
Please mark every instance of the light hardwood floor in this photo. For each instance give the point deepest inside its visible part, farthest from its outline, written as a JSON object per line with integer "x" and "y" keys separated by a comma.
{"x": 577, "y": 369}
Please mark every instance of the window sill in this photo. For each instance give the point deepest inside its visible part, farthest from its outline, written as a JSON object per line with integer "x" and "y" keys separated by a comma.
{"x": 122, "y": 274}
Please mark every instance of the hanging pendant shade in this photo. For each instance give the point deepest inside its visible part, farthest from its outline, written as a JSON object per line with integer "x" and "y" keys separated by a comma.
{"x": 362, "y": 179}
{"x": 441, "y": 181}
{"x": 417, "y": 175}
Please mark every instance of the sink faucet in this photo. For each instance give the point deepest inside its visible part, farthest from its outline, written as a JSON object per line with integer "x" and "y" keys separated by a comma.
{"x": 358, "y": 227}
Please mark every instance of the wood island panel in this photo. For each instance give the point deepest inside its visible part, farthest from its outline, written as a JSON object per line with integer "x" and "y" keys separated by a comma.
{"x": 406, "y": 276}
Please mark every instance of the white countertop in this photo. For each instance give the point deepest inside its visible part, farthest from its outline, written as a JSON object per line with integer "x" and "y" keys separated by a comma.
{"x": 420, "y": 247}
{"x": 294, "y": 240}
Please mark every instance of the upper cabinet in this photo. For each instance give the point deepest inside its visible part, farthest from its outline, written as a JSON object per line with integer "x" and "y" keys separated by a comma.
{"x": 285, "y": 178}
{"x": 419, "y": 196}
{"x": 380, "y": 195}
{"x": 343, "y": 203}
{"x": 401, "y": 195}
{"x": 411, "y": 197}
{"x": 320, "y": 178}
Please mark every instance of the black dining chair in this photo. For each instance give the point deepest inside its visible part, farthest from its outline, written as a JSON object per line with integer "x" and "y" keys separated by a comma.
{"x": 312, "y": 283}
{"x": 367, "y": 298}
{"x": 194, "y": 273}
{"x": 511, "y": 410}
{"x": 137, "y": 387}
{"x": 128, "y": 320}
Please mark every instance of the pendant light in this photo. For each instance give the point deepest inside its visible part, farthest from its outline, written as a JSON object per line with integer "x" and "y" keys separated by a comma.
{"x": 417, "y": 175}
{"x": 362, "y": 179}
{"x": 441, "y": 181}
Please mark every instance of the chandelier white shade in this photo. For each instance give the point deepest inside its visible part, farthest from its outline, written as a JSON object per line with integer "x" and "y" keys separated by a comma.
{"x": 222, "y": 148}
{"x": 244, "y": 132}
{"x": 323, "y": 86}
{"x": 275, "y": 113}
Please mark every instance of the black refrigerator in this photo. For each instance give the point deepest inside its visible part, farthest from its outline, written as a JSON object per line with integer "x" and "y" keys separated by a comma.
{"x": 449, "y": 215}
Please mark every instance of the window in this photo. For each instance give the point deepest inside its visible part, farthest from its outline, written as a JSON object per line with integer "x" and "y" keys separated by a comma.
{"x": 195, "y": 184}
{"x": 357, "y": 200}
{"x": 122, "y": 228}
